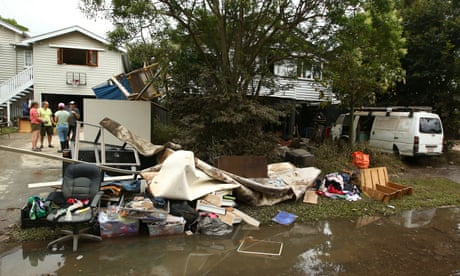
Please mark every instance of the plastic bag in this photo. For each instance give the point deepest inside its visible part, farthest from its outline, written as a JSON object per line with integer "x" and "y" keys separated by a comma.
{"x": 361, "y": 160}
{"x": 284, "y": 218}
{"x": 213, "y": 227}
{"x": 36, "y": 206}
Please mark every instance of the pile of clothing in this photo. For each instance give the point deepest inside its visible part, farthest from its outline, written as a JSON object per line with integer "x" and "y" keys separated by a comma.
{"x": 338, "y": 186}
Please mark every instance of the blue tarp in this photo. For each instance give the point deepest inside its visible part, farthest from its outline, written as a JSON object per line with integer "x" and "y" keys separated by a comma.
{"x": 109, "y": 90}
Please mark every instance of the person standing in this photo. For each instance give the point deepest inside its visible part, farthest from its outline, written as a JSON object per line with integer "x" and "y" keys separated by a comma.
{"x": 61, "y": 118}
{"x": 74, "y": 117}
{"x": 35, "y": 123}
{"x": 47, "y": 124}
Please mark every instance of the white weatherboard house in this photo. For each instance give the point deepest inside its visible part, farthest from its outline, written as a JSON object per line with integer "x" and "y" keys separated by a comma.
{"x": 58, "y": 66}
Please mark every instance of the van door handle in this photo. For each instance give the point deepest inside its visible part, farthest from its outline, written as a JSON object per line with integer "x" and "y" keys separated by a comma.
{"x": 395, "y": 137}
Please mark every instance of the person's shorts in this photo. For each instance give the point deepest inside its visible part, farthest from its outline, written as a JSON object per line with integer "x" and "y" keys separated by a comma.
{"x": 35, "y": 127}
{"x": 48, "y": 130}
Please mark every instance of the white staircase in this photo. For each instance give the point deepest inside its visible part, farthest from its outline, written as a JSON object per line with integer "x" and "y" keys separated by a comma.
{"x": 15, "y": 89}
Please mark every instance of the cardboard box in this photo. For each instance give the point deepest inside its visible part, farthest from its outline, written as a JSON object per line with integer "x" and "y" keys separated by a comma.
{"x": 119, "y": 227}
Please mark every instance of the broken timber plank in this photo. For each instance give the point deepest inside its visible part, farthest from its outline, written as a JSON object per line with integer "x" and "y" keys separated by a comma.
{"x": 246, "y": 218}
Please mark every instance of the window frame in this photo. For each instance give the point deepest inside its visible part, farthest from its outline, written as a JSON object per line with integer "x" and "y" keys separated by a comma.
{"x": 91, "y": 57}
{"x": 28, "y": 58}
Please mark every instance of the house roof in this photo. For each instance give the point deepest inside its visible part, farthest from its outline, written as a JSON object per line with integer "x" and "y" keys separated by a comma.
{"x": 13, "y": 28}
{"x": 68, "y": 30}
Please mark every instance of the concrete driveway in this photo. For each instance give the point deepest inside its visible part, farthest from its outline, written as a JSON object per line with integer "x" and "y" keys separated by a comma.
{"x": 19, "y": 170}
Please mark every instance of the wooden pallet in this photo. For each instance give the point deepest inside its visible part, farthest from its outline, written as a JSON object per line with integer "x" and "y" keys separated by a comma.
{"x": 375, "y": 183}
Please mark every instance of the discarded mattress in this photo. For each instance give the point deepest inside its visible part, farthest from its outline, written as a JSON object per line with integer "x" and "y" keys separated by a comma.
{"x": 178, "y": 178}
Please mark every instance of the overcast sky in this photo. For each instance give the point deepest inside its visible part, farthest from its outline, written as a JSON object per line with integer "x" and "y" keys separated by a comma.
{"x": 42, "y": 16}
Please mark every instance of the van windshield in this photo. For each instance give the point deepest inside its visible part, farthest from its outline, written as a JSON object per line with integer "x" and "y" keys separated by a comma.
{"x": 430, "y": 125}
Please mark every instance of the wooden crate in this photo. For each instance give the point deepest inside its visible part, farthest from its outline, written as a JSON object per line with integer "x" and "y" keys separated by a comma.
{"x": 375, "y": 183}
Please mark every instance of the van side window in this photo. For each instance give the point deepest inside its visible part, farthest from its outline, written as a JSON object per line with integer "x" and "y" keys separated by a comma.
{"x": 430, "y": 125}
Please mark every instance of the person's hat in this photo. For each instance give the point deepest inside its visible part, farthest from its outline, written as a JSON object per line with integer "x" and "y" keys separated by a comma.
{"x": 71, "y": 102}
{"x": 61, "y": 105}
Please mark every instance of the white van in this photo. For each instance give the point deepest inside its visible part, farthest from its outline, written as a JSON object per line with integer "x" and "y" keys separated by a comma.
{"x": 406, "y": 131}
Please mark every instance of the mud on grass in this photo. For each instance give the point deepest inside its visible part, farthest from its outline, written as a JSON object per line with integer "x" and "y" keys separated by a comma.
{"x": 428, "y": 193}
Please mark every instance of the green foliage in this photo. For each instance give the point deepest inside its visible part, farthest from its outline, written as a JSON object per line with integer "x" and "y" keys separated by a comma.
{"x": 163, "y": 133}
{"x": 215, "y": 126}
{"x": 366, "y": 46}
{"x": 432, "y": 30}
{"x": 364, "y": 59}
{"x": 14, "y": 23}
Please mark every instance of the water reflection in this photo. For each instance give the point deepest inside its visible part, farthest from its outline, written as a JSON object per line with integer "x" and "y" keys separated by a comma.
{"x": 20, "y": 262}
{"x": 417, "y": 241}
{"x": 415, "y": 218}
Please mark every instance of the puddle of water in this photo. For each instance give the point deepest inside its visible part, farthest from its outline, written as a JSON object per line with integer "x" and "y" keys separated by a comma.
{"x": 418, "y": 242}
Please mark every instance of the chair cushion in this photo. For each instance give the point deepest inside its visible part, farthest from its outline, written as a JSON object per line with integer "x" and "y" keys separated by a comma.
{"x": 81, "y": 181}
{"x": 76, "y": 218}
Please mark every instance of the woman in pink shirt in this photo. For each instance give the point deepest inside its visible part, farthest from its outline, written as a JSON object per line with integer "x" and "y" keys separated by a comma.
{"x": 35, "y": 123}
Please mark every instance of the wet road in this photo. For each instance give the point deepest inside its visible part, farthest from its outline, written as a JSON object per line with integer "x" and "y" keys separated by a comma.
{"x": 417, "y": 243}
{"x": 17, "y": 171}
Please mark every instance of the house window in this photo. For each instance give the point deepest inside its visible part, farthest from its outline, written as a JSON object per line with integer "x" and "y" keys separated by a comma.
{"x": 285, "y": 69}
{"x": 77, "y": 57}
{"x": 309, "y": 71}
{"x": 27, "y": 58}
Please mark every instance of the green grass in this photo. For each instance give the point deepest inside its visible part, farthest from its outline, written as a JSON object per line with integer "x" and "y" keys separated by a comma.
{"x": 33, "y": 234}
{"x": 428, "y": 193}
{"x": 8, "y": 130}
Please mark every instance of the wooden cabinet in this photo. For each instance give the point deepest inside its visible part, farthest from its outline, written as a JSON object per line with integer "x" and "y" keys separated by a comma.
{"x": 24, "y": 125}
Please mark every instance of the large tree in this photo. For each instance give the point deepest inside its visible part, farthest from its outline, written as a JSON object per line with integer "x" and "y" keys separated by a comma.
{"x": 432, "y": 29}
{"x": 364, "y": 51}
{"x": 220, "y": 54}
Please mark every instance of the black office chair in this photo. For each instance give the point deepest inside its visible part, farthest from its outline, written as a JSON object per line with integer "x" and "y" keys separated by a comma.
{"x": 80, "y": 182}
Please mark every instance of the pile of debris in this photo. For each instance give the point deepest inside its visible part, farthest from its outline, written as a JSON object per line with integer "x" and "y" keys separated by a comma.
{"x": 181, "y": 185}
{"x": 181, "y": 193}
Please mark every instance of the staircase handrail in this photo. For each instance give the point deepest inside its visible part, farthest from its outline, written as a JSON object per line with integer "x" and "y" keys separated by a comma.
{"x": 16, "y": 84}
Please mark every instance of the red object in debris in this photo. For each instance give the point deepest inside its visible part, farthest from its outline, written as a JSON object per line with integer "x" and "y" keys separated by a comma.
{"x": 361, "y": 160}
